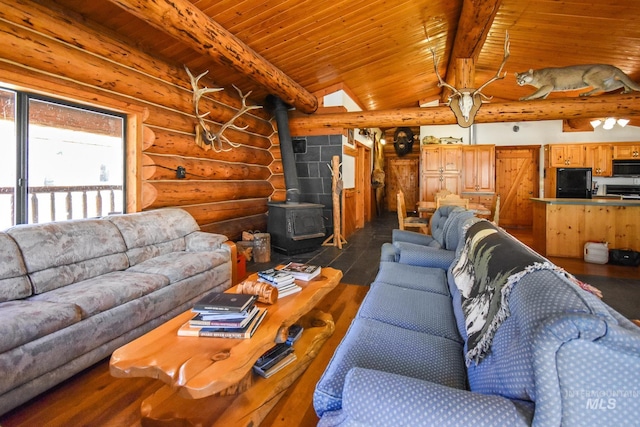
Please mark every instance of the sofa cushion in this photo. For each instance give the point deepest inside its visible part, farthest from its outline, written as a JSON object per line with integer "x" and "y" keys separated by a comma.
{"x": 413, "y": 277}
{"x": 57, "y": 254}
{"x": 410, "y": 309}
{"x": 177, "y": 266}
{"x": 14, "y": 283}
{"x": 376, "y": 345}
{"x": 24, "y": 321}
{"x": 105, "y": 292}
{"x": 152, "y": 233}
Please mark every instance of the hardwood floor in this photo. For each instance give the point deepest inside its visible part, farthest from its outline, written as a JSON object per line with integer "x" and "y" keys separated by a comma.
{"x": 94, "y": 398}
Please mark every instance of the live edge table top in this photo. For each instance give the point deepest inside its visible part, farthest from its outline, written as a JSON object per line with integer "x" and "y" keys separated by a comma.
{"x": 197, "y": 367}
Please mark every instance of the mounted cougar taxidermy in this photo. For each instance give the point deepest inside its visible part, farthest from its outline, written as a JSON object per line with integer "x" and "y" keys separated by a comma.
{"x": 403, "y": 141}
{"x": 600, "y": 77}
{"x": 466, "y": 102}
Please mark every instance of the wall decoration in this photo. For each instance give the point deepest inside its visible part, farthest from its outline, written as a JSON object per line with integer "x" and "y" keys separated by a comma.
{"x": 403, "y": 141}
{"x": 466, "y": 102}
{"x": 205, "y": 138}
{"x": 600, "y": 77}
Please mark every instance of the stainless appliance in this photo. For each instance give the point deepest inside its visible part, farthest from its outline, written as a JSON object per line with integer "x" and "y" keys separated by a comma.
{"x": 626, "y": 168}
{"x": 573, "y": 183}
{"x": 624, "y": 191}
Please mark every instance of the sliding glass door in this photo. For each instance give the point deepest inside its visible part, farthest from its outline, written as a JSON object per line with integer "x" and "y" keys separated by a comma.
{"x": 67, "y": 162}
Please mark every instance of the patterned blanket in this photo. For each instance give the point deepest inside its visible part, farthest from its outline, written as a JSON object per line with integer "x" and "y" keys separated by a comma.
{"x": 486, "y": 270}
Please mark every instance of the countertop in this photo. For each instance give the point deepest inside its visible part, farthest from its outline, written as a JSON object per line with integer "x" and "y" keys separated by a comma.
{"x": 591, "y": 202}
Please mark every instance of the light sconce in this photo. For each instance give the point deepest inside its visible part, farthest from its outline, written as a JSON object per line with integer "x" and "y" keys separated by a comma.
{"x": 383, "y": 141}
{"x": 609, "y": 123}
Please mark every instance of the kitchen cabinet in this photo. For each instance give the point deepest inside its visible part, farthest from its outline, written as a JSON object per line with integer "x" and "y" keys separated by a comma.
{"x": 598, "y": 158}
{"x": 440, "y": 169}
{"x": 478, "y": 168}
{"x": 626, "y": 151}
{"x": 563, "y": 155}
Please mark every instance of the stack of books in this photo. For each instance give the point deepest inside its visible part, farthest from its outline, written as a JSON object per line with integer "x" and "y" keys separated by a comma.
{"x": 279, "y": 356}
{"x": 224, "y": 315}
{"x": 301, "y": 271}
{"x": 285, "y": 282}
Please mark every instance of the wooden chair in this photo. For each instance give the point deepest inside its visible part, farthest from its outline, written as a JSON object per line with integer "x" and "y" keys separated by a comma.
{"x": 496, "y": 211}
{"x": 407, "y": 222}
{"x": 452, "y": 200}
{"x": 441, "y": 193}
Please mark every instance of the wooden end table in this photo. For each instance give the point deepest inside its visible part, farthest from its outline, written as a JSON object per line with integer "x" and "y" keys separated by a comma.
{"x": 210, "y": 381}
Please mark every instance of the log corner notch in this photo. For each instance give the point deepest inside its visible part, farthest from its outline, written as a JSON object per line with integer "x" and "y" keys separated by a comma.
{"x": 185, "y": 22}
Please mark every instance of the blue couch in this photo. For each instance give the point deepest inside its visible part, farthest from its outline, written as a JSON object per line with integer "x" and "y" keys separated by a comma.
{"x": 424, "y": 350}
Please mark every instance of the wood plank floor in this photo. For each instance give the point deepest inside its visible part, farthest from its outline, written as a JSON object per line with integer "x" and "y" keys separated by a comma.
{"x": 94, "y": 398}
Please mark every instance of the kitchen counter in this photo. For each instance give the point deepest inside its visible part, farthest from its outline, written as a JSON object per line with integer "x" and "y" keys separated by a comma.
{"x": 596, "y": 201}
{"x": 561, "y": 227}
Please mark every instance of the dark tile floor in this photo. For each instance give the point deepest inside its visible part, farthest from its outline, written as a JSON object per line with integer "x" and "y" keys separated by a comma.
{"x": 358, "y": 259}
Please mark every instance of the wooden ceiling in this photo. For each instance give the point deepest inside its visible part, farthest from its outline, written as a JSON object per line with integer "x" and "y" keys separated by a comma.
{"x": 379, "y": 50}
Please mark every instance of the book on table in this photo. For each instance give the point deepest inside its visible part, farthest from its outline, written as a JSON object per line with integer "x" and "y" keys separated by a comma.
{"x": 225, "y": 302}
{"x": 188, "y": 330}
{"x": 301, "y": 271}
{"x": 235, "y": 320}
{"x": 287, "y": 360}
{"x": 275, "y": 277}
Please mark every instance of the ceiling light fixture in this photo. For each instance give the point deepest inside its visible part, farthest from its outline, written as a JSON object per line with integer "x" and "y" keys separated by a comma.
{"x": 608, "y": 123}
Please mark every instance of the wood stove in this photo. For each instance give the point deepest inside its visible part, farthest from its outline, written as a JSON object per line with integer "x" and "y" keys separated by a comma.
{"x": 294, "y": 226}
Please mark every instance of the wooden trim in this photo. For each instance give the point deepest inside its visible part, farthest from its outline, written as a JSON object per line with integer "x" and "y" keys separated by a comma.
{"x": 349, "y": 151}
{"x": 623, "y": 105}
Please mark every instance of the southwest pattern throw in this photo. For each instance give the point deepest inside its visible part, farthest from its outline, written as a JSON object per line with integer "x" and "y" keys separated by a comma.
{"x": 485, "y": 286}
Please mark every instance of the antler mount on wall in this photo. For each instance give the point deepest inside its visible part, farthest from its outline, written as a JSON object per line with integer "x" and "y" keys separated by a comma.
{"x": 205, "y": 138}
{"x": 466, "y": 102}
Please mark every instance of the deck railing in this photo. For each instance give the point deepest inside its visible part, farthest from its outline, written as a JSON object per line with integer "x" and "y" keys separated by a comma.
{"x": 76, "y": 198}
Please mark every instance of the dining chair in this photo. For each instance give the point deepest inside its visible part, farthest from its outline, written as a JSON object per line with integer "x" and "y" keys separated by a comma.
{"x": 452, "y": 200}
{"x": 404, "y": 221}
{"x": 496, "y": 211}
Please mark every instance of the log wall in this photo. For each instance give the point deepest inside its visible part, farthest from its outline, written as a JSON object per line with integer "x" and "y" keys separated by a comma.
{"x": 50, "y": 51}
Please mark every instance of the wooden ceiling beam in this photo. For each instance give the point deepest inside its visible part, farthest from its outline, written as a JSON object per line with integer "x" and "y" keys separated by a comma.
{"x": 624, "y": 105}
{"x": 475, "y": 21}
{"x": 187, "y": 23}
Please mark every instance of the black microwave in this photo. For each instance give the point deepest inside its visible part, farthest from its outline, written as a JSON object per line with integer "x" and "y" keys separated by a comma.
{"x": 626, "y": 168}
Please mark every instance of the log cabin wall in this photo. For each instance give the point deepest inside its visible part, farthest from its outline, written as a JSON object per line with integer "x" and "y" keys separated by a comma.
{"x": 51, "y": 51}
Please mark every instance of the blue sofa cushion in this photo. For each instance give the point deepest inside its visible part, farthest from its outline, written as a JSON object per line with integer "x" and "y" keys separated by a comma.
{"x": 410, "y": 309}
{"x": 376, "y": 345}
{"x": 413, "y": 277}
{"x": 426, "y": 256}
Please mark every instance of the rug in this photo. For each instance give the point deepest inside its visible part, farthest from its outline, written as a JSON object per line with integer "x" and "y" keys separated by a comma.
{"x": 623, "y": 295}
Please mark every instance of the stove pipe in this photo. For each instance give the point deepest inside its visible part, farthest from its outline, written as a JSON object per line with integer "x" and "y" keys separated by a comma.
{"x": 286, "y": 150}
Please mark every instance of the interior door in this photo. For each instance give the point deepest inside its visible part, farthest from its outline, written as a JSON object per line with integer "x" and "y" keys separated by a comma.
{"x": 517, "y": 181}
{"x": 403, "y": 175}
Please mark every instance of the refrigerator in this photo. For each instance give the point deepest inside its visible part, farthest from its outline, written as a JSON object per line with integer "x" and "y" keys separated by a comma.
{"x": 573, "y": 183}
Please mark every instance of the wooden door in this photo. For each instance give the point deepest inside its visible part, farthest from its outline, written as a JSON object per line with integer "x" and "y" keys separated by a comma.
{"x": 403, "y": 175}
{"x": 599, "y": 158}
{"x": 517, "y": 181}
{"x": 363, "y": 185}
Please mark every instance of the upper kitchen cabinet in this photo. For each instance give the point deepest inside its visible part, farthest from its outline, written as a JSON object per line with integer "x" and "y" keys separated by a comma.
{"x": 563, "y": 155}
{"x": 626, "y": 151}
{"x": 598, "y": 158}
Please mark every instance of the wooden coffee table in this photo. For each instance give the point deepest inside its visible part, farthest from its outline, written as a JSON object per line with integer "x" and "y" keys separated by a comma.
{"x": 209, "y": 381}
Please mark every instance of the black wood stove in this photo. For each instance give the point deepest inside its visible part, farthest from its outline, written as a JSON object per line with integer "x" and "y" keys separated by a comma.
{"x": 294, "y": 226}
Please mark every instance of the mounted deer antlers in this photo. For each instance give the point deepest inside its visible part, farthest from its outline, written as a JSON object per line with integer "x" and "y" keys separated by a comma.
{"x": 206, "y": 139}
{"x": 469, "y": 100}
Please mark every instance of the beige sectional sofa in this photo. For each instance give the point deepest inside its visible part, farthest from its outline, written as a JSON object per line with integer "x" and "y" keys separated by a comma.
{"x": 71, "y": 292}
